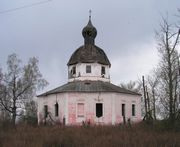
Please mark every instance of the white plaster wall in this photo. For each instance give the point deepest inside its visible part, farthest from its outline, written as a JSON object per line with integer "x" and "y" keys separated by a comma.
{"x": 128, "y": 100}
{"x": 94, "y": 75}
{"x": 112, "y": 103}
{"x": 50, "y": 101}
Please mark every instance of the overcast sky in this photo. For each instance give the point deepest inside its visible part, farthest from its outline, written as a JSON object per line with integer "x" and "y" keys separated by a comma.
{"x": 51, "y": 31}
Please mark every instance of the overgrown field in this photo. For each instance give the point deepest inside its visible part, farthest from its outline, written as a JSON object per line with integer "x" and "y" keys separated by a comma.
{"x": 89, "y": 136}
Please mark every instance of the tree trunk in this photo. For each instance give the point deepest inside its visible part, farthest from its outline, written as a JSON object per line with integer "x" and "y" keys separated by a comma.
{"x": 154, "y": 104}
{"x": 170, "y": 78}
{"x": 14, "y": 118}
{"x": 144, "y": 96}
{"x": 148, "y": 101}
{"x": 14, "y": 112}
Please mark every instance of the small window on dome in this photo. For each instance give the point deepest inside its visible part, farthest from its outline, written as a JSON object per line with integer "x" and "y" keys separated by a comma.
{"x": 103, "y": 71}
{"x": 73, "y": 71}
{"x": 88, "y": 69}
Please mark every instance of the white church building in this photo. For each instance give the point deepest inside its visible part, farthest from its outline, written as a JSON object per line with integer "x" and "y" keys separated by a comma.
{"x": 89, "y": 96}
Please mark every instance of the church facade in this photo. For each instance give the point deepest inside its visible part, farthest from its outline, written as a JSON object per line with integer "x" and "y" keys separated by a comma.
{"x": 89, "y": 96}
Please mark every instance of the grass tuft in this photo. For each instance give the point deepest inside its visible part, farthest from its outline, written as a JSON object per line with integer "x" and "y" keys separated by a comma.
{"x": 138, "y": 135}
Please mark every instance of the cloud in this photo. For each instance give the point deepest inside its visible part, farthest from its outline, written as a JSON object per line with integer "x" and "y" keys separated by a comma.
{"x": 52, "y": 32}
{"x": 133, "y": 66}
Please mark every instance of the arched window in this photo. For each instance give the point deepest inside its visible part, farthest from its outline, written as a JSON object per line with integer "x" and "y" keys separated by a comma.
{"x": 56, "y": 109}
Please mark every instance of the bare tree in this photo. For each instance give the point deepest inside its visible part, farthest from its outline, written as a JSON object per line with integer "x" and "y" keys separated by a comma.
{"x": 168, "y": 39}
{"x": 144, "y": 92}
{"x": 3, "y": 113}
{"x": 30, "y": 113}
{"x": 152, "y": 83}
{"x": 19, "y": 84}
{"x": 131, "y": 85}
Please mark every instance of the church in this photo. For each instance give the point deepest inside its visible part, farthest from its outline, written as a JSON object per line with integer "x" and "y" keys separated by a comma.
{"x": 89, "y": 96}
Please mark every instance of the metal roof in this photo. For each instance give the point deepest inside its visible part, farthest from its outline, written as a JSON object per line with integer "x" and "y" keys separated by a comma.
{"x": 90, "y": 87}
{"x": 89, "y": 53}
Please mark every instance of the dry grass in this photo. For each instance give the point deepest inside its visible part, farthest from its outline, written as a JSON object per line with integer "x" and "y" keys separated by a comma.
{"x": 94, "y": 136}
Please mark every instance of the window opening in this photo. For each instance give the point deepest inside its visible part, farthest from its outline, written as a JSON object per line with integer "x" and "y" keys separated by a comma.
{"x": 103, "y": 72}
{"x": 123, "y": 109}
{"x": 99, "y": 110}
{"x": 56, "y": 109}
{"x": 73, "y": 71}
{"x": 133, "y": 109}
{"x": 88, "y": 69}
{"x": 45, "y": 111}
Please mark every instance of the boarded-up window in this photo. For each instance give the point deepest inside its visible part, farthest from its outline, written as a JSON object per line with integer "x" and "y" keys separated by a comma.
{"x": 56, "y": 106}
{"x": 80, "y": 109}
{"x": 133, "y": 110}
{"x": 88, "y": 69}
{"x": 123, "y": 109}
{"x": 45, "y": 111}
{"x": 99, "y": 110}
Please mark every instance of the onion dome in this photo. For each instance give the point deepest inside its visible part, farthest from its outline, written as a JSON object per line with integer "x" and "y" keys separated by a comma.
{"x": 89, "y": 33}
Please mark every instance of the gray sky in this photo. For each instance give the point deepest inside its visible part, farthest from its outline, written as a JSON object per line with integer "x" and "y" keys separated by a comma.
{"x": 52, "y": 32}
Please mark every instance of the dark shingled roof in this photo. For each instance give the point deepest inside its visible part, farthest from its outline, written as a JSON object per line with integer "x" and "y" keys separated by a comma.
{"x": 89, "y": 53}
{"x": 89, "y": 86}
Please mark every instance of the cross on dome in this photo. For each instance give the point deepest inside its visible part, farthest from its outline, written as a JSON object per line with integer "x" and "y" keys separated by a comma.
{"x": 90, "y": 14}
